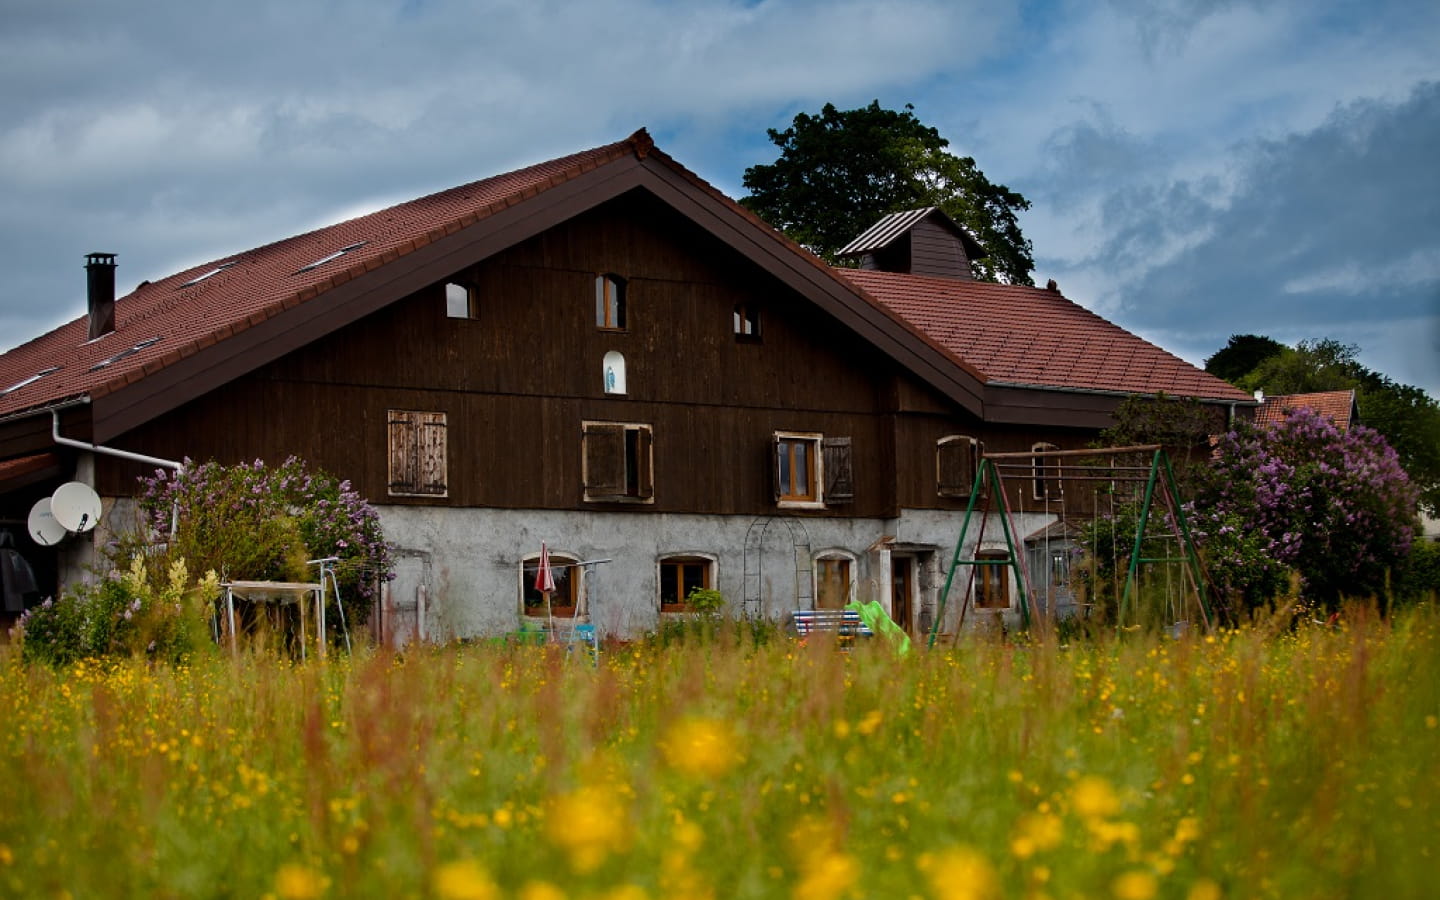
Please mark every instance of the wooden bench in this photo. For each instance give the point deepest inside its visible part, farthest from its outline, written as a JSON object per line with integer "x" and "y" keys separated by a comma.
{"x": 845, "y": 624}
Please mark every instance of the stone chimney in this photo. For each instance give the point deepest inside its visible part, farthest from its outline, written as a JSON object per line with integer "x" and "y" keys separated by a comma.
{"x": 100, "y": 275}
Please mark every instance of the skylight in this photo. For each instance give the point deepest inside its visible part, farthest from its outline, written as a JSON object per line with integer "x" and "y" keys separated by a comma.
{"x": 31, "y": 380}
{"x": 128, "y": 351}
{"x": 325, "y": 259}
{"x": 215, "y": 271}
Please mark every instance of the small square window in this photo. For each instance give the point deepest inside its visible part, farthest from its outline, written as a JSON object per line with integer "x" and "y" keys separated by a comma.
{"x": 565, "y": 601}
{"x": 679, "y": 575}
{"x": 618, "y": 461}
{"x": 747, "y": 322}
{"x": 957, "y": 465}
{"x": 461, "y": 301}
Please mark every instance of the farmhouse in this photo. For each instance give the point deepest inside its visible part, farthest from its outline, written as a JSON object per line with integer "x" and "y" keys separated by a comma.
{"x": 604, "y": 353}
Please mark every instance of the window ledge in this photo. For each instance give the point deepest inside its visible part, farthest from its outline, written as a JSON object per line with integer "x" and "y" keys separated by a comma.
{"x": 620, "y": 498}
{"x": 800, "y": 504}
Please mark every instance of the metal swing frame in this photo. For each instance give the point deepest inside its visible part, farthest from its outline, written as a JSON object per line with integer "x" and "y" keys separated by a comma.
{"x": 1159, "y": 482}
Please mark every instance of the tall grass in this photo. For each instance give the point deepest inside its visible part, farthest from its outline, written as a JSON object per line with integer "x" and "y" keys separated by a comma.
{"x": 1245, "y": 764}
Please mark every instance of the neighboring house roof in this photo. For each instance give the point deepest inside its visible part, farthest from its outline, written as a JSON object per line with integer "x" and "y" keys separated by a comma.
{"x": 1034, "y": 337}
{"x": 189, "y": 333}
{"x": 891, "y": 228}
{"x": 1337, "y": 406}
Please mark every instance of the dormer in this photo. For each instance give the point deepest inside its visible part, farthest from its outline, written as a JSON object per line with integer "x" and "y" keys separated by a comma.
{"x": 916, "y": 242}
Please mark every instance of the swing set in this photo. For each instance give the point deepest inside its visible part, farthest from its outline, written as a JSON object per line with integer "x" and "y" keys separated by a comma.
{"x": 1104, "y": 474}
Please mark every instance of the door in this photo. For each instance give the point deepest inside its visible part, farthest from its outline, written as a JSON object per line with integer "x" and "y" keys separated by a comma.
{"x": 902, "y": 591}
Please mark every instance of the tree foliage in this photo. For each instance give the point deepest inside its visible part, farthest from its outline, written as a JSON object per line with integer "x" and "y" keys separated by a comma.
{"x": 254, "y": 522}
{"x": 1408, "y": 417}
{"x": 1334, "y": 506}
{"x": 841, "y": 171}
{"x": 1241, "y": 355}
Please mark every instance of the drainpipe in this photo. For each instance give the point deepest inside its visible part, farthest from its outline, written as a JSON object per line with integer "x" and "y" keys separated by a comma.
{"x": 178, "y": 467}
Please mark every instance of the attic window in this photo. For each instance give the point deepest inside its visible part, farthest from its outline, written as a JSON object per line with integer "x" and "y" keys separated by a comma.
{"x": 128, "y": 351}
{"x": 210, "y": 274}
{"x": 333, "y": 256}
{"x": 31, "y": 380}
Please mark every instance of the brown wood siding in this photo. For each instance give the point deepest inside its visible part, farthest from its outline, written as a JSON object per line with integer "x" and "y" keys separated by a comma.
{"x": 918, "y": 435}
{"x": 934, "y": 250}
{"x": 516, "y": 382}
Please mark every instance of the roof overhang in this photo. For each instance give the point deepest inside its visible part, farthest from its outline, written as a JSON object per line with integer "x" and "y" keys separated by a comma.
{"x": 298, "y": 322}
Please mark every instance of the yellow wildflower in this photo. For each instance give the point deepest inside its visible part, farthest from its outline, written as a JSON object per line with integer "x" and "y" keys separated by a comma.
{"x": 541, "y": 890}
{"x": 1204, "y": 889}
{"x": 827, "y": 875}
{"x": 1036, "y": 833}
{"x": 297, "y": 882}
{"x": 960, "y": 873}
{"x": 464, "y": 879}
{"x": 1094, "y": 798}
{"x": 587, "y": 823}
{"x": 1135, "y": 885}
{"x": 700, "y": 747}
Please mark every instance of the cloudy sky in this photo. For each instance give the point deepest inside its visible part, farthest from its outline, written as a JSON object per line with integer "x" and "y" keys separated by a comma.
{"x": 1197, "y": 168}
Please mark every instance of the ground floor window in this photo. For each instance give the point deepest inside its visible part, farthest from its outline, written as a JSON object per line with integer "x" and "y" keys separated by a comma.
{"x": 565, "y": 600}
{"x": 679, "y": 575}
{"x": 833, "y": 576}
{"x": 992, "y": 580}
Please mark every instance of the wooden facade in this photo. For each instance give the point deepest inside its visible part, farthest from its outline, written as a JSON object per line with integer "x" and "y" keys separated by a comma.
{"x": 517, "y": 381}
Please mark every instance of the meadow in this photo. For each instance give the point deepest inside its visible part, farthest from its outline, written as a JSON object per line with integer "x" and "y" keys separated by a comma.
{"x": 1262, "y": 762}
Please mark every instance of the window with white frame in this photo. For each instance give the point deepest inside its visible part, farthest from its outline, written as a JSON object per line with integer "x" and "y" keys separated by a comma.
{"x": 461, "y": 301}
{"x": 812, "y": 470}
{"x": 618, "y": 461}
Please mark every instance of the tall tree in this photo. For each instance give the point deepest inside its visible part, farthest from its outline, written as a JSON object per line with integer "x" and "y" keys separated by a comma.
{"x": 840, "y": 171}
{"x": 1241, "y": 355}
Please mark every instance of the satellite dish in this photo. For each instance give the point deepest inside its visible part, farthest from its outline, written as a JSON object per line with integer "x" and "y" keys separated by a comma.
{"x": 76, "y": 506}
{"x": 44, "y": 530}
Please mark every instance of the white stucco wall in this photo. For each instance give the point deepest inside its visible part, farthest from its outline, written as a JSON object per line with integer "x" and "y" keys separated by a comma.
{"x": 463, "y": 566}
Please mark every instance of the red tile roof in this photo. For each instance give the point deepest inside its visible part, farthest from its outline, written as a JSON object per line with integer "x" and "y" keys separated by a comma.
{"x": 999, "y": 333}
{"x": 1035, "y": 337}
{"x": 1337, "y": 406}
{"x": 263, "y": 282}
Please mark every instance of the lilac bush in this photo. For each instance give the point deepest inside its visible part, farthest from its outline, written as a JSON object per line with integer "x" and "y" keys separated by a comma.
{"x": 1335, "y": 507}
{"x": 251, "y": 521}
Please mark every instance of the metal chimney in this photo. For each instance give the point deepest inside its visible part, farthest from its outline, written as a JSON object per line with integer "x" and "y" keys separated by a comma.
{"x": 100, "y": 272}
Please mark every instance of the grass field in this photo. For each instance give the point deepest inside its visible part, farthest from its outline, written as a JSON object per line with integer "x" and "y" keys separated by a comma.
{"x": 1245, "y": 764}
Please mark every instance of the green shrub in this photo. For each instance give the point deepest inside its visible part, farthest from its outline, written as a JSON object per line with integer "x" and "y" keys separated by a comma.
{"x": 126, "y": 614}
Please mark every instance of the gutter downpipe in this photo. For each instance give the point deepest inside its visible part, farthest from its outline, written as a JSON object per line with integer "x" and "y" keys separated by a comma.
{"x": 178, "y": 467}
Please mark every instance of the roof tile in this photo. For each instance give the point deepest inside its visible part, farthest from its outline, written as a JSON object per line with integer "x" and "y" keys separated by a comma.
{"x": 1036, "y": 337}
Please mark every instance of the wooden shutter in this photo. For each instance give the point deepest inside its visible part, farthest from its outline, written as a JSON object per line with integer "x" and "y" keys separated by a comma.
{"x": 775, "y": 466}
{"x": 604, "y": 460}
{"x": 645, "y": 480}
{"x": 839, "y": 477}
{"x": 404, "y": 469}
{"x": 432, "y": 452}
{"x": 417, "y": 453}
{"x": 955, "y": 466}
